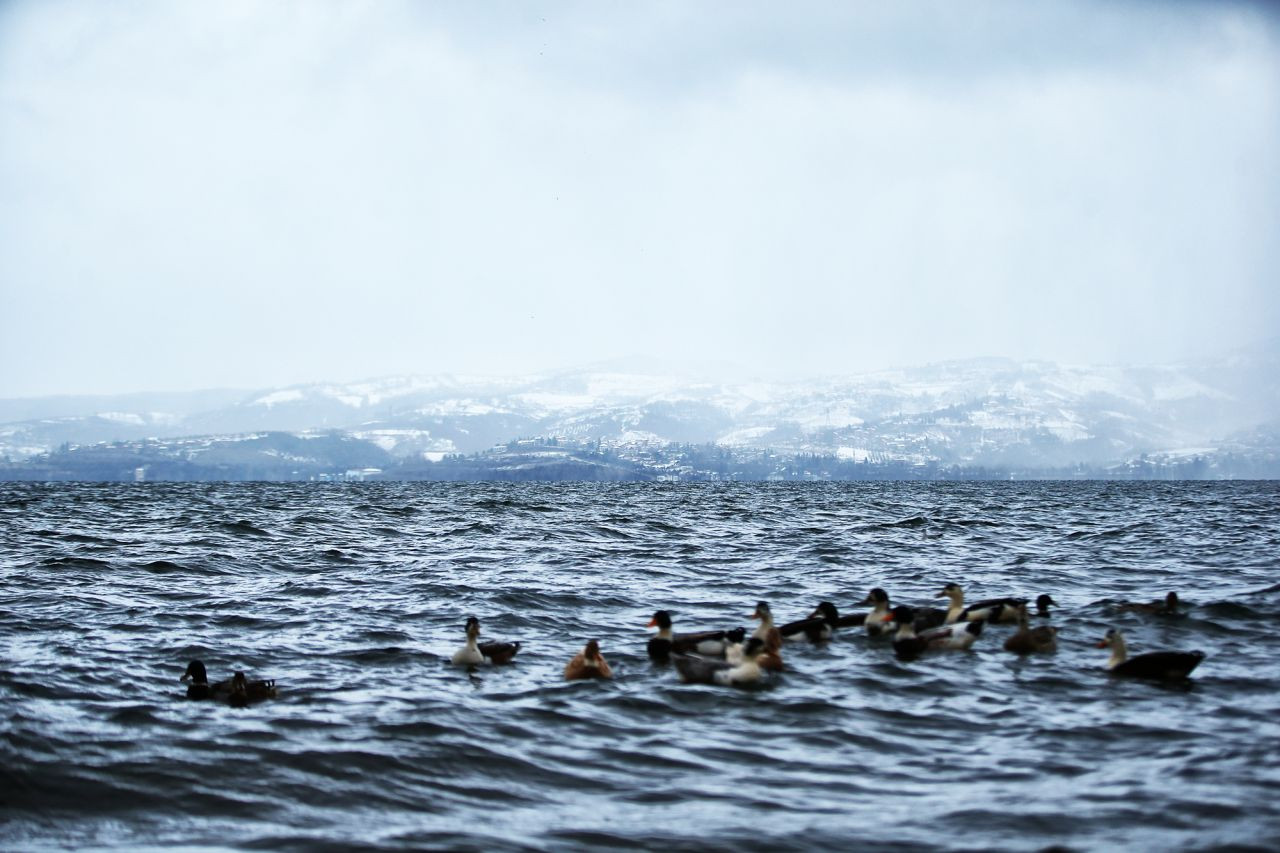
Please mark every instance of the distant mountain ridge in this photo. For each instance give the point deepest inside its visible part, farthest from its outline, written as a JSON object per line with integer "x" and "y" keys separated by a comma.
{"x": 989, "y": 411}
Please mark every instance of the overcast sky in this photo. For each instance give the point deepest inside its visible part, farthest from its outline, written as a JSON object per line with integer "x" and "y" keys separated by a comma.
{"x": 262, "y": 193}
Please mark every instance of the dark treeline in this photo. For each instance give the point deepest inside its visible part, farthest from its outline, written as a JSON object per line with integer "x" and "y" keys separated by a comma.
{"x": 338, "y": 456}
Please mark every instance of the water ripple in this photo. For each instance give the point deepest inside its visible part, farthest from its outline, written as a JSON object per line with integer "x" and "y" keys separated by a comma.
{"x": 354, "y": 596}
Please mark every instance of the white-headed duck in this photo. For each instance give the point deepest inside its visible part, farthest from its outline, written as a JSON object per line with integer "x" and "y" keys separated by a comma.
{"x": 474, "y": 653}
{"x": 1161, "y": 666}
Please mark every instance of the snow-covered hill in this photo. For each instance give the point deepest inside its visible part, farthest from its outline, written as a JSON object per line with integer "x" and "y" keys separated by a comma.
{"x": 982, "y": 411}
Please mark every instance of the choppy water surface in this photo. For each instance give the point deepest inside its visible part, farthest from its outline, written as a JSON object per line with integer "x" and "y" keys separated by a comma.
{"x": 353, "y": 597}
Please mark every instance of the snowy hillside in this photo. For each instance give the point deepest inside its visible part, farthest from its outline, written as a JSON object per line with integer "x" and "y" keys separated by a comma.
{"x": 982, "y": 411}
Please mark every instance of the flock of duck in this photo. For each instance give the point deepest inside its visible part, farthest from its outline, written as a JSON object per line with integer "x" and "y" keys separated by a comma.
{"x": 731, "y": 658}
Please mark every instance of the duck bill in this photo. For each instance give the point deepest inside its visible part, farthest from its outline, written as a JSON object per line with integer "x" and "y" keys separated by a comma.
{"x": 1102, "y": 644}
{"x": 653, "y": 623}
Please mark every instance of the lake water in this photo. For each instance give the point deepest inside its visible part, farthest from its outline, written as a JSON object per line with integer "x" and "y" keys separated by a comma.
{"x": 353, "y": 597}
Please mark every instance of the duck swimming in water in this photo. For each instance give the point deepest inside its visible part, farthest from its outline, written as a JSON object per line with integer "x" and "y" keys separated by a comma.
{"x": 245, "y": 692}
{"x": 988, "y": 610}
{"x": 766, "y": 630}
{"x": 1168, "y": 606}
{"x": 1027, "y": 640}
{"x": 956, "y": 610}
{"x": 1043, "y": 602}
{"x": 588, "y": 663}
{"x": 770, "y": 657}
{"x": 997, "y": 610}
{"x": 697, "y": 670}
{"x": 874, "y": 620}
{"x": 907, "y": 644}
{"x": 238, "y": 690}
{"x": 200, "y": 688}
{"x": 474, "y": 653}
{"x": 1160, "y": 666}
{"x": 817, "y": 628}
{"x": 666, "y": 643}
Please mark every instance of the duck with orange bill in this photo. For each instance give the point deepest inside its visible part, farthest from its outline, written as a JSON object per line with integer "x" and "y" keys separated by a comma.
{"x": 874, "y": 620}
{"x": 709, "y": 643}
{"x": 475, "y": 653}
{"x": 908, "y": 644}
{"x": 1157, "y": 666}
{"x": 588, "y": 663}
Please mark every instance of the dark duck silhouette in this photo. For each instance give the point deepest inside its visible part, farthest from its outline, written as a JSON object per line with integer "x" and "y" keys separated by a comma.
{"x": 1159, "y": 666}
{"x": 1167, "y": 606}
{"x": 1043, "y": 602}
{"x": 474, "y": 653}
{"x": 245, "y": 692}
{"x": 238, "y": 690}
{"x": 199, "y": 686}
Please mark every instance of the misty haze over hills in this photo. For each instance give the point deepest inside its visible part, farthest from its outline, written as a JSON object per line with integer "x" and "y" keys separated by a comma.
{"x": 981, "y": 412}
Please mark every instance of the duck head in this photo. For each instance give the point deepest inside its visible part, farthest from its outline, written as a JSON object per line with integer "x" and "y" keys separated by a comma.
{"x": 592, "y": 651}
{"x": 753, "y": 648}
{"x": 1171, "y": 601}
{"x": 902, "y": 614}
{"x": 951, "y": 591}
{"x": 661, "y": 620}
{"x": 473, "y": 627}
{"x": 737, "y": 635}
{"x": 1113, "y": 638}
{"x": 762, "y": 611}
{"x": 195, "y": 673}
{"x": 827, "y": 612}
{"x": 877, "y": 596}
{"x": 1043, "y": 602}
